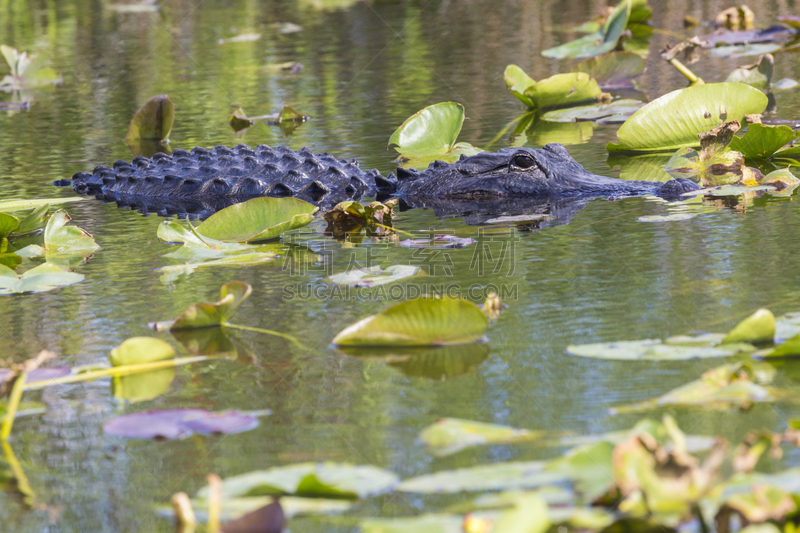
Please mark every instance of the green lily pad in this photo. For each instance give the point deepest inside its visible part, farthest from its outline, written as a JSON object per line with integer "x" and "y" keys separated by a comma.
{"x": 140, "y": 350}
{"x": 789, "y": 348}
{"x": 599, "y": 43}
{"x": 450, "y": 435}
{"x": 34, "y": 221}
{"x": 615, "y": 70}
{"x": 761, "y": 141}
{"x": 667, "y": 218}
{"x": 561, "y": 89}
{"x": 42, "y": 278}
{"x": 674, "y": 120}
{"x": 198, "y": 248}
{"x": 745, "y": 50}
{"x": 153, "y": 121}
{"x": 758, "y": 327}
{"x": 419, "y": 322}
{"x": 432, "y": 133}
{"x": 206, "y": 315}
{"x": 60, "y": 238}
{"x": 512, "y": 475}
{"x": 336, "y": 480}
{"x": 11, "y": 205}
{"x": 257, "y": 219}
{"x": 617, "y": 111}
{"x": 656, "y": 350}
{"x": 8, "y": 223}
{"x": 372, "y": 276}
{"x": 783, "y": 180}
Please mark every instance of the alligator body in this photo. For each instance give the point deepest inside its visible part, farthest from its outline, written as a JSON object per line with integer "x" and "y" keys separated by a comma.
{"x": 200, "y": 182}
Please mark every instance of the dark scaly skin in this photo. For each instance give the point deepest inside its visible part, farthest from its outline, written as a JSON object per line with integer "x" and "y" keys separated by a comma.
{"x": 509, "y": 181}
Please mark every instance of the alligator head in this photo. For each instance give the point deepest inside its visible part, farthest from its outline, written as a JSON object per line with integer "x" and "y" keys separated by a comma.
{"x": 547, "y": 172}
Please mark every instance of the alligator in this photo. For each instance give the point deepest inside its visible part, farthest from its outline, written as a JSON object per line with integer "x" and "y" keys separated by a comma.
{"x": 200, "y": 182}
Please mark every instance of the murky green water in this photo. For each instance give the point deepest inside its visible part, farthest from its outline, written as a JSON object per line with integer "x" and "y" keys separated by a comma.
{"x": 368, "y": 66}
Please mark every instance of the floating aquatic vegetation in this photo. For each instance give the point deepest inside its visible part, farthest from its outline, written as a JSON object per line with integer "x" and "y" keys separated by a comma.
{"x": 60, "y": 240}
{"x": 674, "y": 120}
{"x": 240, "y": 121}
{"x": 179, "y": 424}
{"x": 430, "y": 134}
{"x": 451, "y": 435}
{"x": 603, "y": 41}
{"x": 351, "y": 216}
{"x": 438, "y": 241}
{"x": 735, "y": 18}
{"x": 758, "y": 74}
{"x": 613, "y": 71}
{"x": 762, "y": 141}
{"x": 373, "y": 276}
{"x": 140, "y": 350}
{"x": 327, "y": 480}
{"x": 27, "y": 71}
{"x": 558, "y": 90}
{"x": 152, "y": 122}
{"x": 772, "y": 35}
{"x": 757, "y": 328}
{"x": 615, "y": 112}
{"x": 42, "y": 278}
{"x": 420, "y": 322}
{"x": 257, "y": 219}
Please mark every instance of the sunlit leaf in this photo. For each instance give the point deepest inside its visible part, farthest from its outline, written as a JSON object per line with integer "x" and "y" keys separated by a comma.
{"x": 418, "y": 322}
{"x": 761, "y": 141}
{"x": 719, "y": 168}
{"x": 598, "y": 43}
{"x": 424, "y": 523}
{"x": 337, "y": 480}
{"x": 257, "y": 219}
{"x": 674, "y": 120}
{"x": 27, "y": 71}
{"x": 561, "y": 89}
{"x": 450, "y": 435}
{"x": 588, "y": 466}
{"x": 42, "y": 278}
{"x": 140, "y": 350}
{"x": 8, "y": 223}
{"x": 756, "y": 328}
{"x": 179, "y": 424}
{"x": 153, "y": 121}
{"x": 213, "y": 315}
{"x": 432, "y": 132}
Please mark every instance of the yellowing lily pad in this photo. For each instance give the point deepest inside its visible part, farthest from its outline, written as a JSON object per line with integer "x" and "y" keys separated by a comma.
{"x": 450, "y": 435}
{"x": 205, "y": 315}
{"x": 419, "y": 322}
{"x": 153, "y": 121}
{"x": 758, "y": 327}
{"x": 656, "y": 350}
{"x": 373, "y": 276}
{"x": 558, "y": 90}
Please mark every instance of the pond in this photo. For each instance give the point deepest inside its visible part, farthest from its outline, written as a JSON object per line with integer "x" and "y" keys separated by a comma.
{"x": 367, "y": 66}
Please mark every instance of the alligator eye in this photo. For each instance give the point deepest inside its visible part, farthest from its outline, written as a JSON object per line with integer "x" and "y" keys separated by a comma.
{"x": 522, "y": 161}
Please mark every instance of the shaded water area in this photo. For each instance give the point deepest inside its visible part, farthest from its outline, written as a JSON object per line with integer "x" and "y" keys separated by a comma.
{"x": 367, "y": 66}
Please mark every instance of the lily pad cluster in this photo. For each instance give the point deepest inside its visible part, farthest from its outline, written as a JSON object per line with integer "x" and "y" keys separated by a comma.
{"x": 28, "y": 230}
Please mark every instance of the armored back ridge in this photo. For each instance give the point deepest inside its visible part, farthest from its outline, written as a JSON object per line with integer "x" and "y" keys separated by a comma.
{"x": 203, "y": 181}
{"x": 200, "y": 182}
